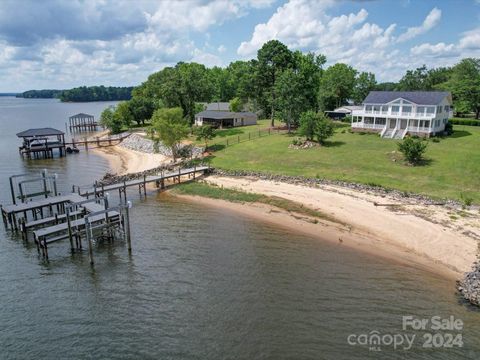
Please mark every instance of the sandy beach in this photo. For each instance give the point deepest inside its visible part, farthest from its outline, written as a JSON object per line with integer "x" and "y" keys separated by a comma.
{"x": 431, "y": 237}
{"x": 124, "y": 161}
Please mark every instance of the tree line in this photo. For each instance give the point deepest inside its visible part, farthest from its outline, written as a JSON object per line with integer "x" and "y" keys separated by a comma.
{"x": 82, "y": 94}
{"x": 280, "y": 83}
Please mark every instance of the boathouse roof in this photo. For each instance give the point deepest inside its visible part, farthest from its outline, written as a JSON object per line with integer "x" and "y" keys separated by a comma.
{"x": 81, "y": 115}
{"x": 40, "y": 132}
{"x": 417, "y": 97}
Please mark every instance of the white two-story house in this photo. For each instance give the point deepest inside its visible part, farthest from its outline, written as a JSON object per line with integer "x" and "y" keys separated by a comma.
{"x": 395, "y": 114}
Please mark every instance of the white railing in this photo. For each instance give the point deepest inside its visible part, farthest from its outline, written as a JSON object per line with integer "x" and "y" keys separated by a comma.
{"x": 418, "y": 129}
{"x": 367, "y": 126}
{"x": 383, "y": 131}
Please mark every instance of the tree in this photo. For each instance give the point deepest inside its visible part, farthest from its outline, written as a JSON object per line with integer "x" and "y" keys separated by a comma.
{"x": 336, "y": 86}
{"x": 290, "y": 101}
{"x": 308, "y": 124}
{"x": 236, "y": 105}
{"x": 324, "y": 129}
{"x": 413, "y": 149}
{"x": 273, "y": 58}
{"x": 205, "y": 133}
{"x": 465, "y": 86}
{"x": 315, "y": 125}
{"x": 364, "y": 83}
{"x": 308, "y": 67}
{"x": 110, "y": 119}
{"x": 124, "y": 113}
{"x": 171, "y": 127}
{"x": 414, "y": 80}
{"x": 141, "y": 109}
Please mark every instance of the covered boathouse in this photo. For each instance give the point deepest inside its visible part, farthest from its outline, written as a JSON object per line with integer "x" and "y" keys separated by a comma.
{"x": 42, "y": 142}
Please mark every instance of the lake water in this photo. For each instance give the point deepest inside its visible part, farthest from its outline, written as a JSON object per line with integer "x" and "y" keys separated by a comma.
{"x": 201, "y": 283}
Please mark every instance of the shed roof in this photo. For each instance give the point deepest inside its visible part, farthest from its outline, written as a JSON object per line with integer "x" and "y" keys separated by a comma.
{"x": 81, "y": 115}
{"x": 417, "y": 97}
{"x": 40, "y": 132}
{"x": 214, "y": 114}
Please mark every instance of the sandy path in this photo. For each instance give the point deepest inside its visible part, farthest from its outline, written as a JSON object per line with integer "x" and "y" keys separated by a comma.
{"x": 401, "y": 233}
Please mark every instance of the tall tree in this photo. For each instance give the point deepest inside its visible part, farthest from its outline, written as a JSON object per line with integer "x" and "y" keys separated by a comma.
{"x": 364, "y": 83}
{"x": 465, "y": 86}
{"x": 273, "y": 58}
{"x": 290, "y": 99}
{"x": 336, "y": 86}
{"x": 309, "y": 70}
{"x": 171, "y": 127}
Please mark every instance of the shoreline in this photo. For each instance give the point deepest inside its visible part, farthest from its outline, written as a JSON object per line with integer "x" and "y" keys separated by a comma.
{"x": 421, "y": 236}
{"x": 124, "y": 161}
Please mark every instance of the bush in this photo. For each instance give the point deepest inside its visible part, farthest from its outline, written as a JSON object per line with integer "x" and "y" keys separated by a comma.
{"x": 315, "y": 125}
{"x": 413, "y": 149}
{"x": 468, "y": 122}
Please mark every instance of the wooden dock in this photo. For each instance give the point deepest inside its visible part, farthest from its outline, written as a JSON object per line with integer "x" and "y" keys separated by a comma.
{"x": 159, "y": 181}
{"x": 82, "y": 214}
{"x": 97, "y": 142}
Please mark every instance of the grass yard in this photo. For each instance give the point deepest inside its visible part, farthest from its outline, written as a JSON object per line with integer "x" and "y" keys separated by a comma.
{"x": 452, "y": 170}
{"x": 232, "y": 134}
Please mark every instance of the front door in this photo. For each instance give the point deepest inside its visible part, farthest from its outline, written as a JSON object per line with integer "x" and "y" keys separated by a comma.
{"x": 403, "y": 124}
{"x": 392, "y": 124}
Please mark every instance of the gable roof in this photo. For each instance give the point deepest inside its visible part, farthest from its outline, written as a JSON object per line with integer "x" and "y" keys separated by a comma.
{"x": 417, "y": 97}
{"x": 81, "y": 115}
{"x": 218, "y": 106}
{"x": 218, "y": 115}
{"x": 40, "y": 132}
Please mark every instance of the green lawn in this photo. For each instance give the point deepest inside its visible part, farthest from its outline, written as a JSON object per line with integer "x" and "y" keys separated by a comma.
{"x": 452, "y": 171}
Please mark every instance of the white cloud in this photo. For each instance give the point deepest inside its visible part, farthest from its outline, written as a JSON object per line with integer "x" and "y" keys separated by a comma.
{"x": 432, "y": 19}
{"x": 221, "y": 49}
{"x": 206, "y": 58}
{"x": 438, "y": 50}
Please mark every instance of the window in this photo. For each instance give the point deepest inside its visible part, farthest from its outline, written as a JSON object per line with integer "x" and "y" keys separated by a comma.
{"x": 380, "y": 121}
{"x": 439, "y": 109}
{"x": 446, "y": 108}
{"x": 420, "y": 110}
{"x": 384, "y": 109}
{"x": 430, "y": 110}
{"x": 376, "y": 108}
{"x": 368, "y": 107}
{"x": 406, "y": 109}
{"x": 395, "y": 109}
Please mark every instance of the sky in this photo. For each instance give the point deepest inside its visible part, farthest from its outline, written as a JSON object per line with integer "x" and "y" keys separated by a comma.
{"x": 59, "y": 44}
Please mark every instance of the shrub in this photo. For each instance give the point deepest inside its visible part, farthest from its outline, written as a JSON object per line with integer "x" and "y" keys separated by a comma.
{"x": 467, "y": 201}
{"x": 413, "y": 149}
{"x": 449, "y": 128}
{"x": 315, "y": 125}
{"x": 468, "y": 122}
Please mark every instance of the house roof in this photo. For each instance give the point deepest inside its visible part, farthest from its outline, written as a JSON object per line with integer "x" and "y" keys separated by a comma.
{"x": 417, "y": 97}
{"x": 218, "y": 106}
{"x": 81, "y": 115}
{"x": 40, "y": 132}
{"x": 213, "y": 114}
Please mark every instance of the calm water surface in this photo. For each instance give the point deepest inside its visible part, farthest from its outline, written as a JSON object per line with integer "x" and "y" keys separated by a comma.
{"x": 201, "y": 283}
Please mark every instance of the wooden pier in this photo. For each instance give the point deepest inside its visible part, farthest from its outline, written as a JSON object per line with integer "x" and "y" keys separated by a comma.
{"x": 82, "y": 122}
{"x": 159, "y": 180}
{"x": 97, "y": 142}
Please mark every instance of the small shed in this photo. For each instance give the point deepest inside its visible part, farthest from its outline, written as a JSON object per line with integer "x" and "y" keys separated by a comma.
{"x": 42, "y": 142}
{"x": 82, "y": 122}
